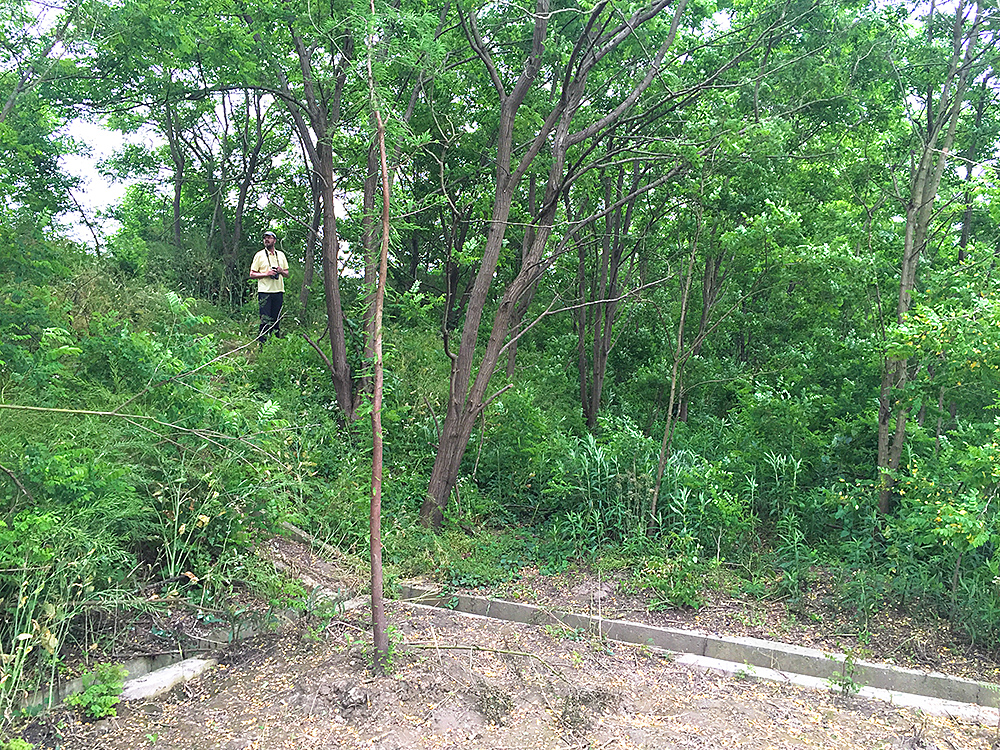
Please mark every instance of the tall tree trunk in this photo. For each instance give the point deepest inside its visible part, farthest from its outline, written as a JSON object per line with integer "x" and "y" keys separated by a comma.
{"x": 312, "y": 236}
{"x": 599, "y": 309}
{"x": 525, "y": 301}
{"x": 322, "y": 113}
{"x": 971, "y": 155}
{"x": 342, "y": 383}
{"x": 254, "y": 146}
{"x": 179, "y": 160}
{"x": 936, "y": 140}
{"x": 711, "y": 288}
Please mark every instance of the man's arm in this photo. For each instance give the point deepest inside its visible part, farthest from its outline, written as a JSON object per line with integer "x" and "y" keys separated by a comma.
{"x": 282, "y": 265}
{"x": 254, "y": 271}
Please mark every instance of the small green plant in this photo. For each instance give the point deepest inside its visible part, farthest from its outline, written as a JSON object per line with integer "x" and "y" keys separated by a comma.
{"x": 842, "y": 681}
{"x": 564, "y": 633}
{"x": 18, "y": 744}
{"x": 102, "y": 691}
{"x": 673, "y": 583}
{"x": 395, "y": 642}
{"x": 753, "y": 618}
{"x": 319, "y": 614}
{"x": 793, "y": 557}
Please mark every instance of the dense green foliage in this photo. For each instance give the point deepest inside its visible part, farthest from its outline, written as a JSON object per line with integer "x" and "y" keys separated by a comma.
{"x": 101, "y": 692}
{"x": 691, "y": 385}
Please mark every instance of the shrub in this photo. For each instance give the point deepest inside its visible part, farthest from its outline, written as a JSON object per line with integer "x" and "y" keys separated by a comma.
{"x": 102, "y": 691}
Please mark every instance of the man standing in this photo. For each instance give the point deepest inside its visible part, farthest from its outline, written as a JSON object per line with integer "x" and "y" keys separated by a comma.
{"x": 270, "y": 268}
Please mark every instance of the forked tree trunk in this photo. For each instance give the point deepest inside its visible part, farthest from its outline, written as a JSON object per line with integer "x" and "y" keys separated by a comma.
{"x": 599, "y": 36}
{"x": 313, "y": 114}
{"x": 312, "y": 236}
{"x": 342, "y": 384}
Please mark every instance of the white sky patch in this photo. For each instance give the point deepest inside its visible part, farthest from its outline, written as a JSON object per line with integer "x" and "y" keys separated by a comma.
{"x": 95, "y": 193}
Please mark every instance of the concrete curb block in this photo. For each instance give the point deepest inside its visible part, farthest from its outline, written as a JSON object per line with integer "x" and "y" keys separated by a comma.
{"x": 966, "y": 711}
{"x": 163, "y": 680}
{"x": 173, "y": 666}
{"x": 935, "y": 692}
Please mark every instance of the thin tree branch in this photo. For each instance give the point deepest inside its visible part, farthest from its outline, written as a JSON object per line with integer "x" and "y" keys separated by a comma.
{"x": 16, "y": 481}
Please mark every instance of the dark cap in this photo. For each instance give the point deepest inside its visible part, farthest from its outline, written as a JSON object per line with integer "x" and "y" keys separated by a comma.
{"x": 269, "y": 232}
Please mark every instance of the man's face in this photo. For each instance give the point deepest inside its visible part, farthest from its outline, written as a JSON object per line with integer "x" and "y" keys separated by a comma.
{"x": 269, "y": 241}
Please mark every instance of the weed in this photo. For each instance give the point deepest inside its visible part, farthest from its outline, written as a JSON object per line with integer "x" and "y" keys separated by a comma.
{"x": 319, "y": 613}
{"x": 674, "y": 582}
{"x": 395, "y": 640}
{"x": 565, "y": 634}
{"x": 754, "y": 619}
{"x": 793, "y": 557}
{"x": 102, "y": 690}
{"x": 842, "y": 681}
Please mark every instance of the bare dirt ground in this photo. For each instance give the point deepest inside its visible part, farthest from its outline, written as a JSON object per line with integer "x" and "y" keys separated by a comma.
{"x": 466, "y": 682}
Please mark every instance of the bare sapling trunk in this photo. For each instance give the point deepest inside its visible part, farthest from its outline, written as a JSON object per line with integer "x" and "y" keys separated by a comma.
{"x": 379, "y": 633}
{"x": 675, "y": 370}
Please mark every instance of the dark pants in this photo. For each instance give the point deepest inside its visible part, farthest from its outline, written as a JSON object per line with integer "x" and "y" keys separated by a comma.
{"x": 270, "y": 314}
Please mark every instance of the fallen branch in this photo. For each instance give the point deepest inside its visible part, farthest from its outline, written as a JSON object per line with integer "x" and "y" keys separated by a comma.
{"x": 209, "y": 436}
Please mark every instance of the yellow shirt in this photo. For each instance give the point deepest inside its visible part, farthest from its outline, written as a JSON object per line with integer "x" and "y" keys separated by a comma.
{"x": 262, "y": 261}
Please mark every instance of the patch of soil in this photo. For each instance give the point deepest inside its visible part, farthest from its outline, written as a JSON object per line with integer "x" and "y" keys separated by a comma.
{"x": 465, "y": 682}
